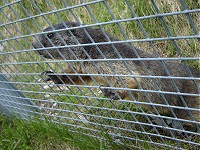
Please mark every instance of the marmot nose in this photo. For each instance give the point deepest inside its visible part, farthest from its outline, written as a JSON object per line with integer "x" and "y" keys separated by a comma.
{"x": 34, "y": 44}
{"x": 37, "y": 44}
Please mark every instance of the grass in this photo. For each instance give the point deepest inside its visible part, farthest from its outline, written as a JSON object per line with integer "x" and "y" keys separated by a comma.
{"x": 18, "y": 134}
{"x": 32, "y": 135}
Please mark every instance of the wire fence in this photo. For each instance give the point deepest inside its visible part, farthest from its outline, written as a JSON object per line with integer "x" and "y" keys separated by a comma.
{"x": 129, "y": 69}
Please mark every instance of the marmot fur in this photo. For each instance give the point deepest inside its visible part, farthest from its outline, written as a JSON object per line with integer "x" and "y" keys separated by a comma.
{"x": 57, "y": 44}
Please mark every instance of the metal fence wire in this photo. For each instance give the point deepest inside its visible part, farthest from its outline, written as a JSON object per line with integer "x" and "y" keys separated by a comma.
{"x": 129, "y": 69}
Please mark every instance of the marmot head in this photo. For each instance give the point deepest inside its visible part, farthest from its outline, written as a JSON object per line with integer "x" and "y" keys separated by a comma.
{"x": 56, "y": 44}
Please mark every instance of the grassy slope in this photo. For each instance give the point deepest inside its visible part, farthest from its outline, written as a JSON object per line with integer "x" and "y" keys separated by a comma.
{"x": 178, "y": 26}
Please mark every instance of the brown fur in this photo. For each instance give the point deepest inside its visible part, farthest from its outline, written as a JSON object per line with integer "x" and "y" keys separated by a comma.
{"x": 135, "y": 68}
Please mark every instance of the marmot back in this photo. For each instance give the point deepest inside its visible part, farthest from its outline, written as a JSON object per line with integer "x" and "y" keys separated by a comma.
{"x": 58, "y": 43}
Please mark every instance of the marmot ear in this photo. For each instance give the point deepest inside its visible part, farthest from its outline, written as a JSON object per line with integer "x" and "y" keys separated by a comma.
{"x": 74, "y": 24}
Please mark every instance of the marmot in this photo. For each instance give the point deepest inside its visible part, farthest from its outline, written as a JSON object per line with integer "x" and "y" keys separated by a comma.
{"x": 57, "y": 47}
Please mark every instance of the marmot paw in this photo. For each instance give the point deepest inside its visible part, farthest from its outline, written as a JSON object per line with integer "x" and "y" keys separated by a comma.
{"x": 46, "y": 73}
{"x": 109, "y": 92}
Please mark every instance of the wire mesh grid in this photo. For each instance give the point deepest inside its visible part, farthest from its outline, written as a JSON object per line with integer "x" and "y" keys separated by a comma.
{"x": 129, "y": 69}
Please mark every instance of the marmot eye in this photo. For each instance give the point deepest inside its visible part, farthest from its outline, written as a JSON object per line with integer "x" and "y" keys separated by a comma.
{"x": 50, "y": 35}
